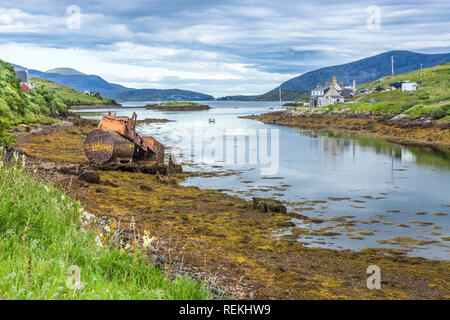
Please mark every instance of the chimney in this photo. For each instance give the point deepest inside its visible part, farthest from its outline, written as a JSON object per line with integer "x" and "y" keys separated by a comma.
{"x": 334, "y": 80}
{"x": 342, "y": 85}
{"x": 354, "y": 85}
{"x": 326, "y": 83}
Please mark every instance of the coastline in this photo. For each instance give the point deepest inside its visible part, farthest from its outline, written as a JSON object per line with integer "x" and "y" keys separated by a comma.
{"x": 211, "y": 235}
{"x": 96, "y": 106}
{"x": 392, "y": 128}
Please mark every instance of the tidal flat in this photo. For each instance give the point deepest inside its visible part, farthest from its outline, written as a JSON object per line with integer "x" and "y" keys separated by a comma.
{"x": 250, "y": 253}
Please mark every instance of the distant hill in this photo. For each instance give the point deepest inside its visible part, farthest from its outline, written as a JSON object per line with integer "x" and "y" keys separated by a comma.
{"x": 286, "y": 95}
{"x": 365, "y": 70}
{"x": 66, "y": 72}
{"x": 81, "y": 82}
{"x": 160, "y": 94}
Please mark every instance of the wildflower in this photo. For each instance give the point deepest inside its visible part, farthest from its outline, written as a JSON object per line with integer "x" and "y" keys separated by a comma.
{"x": 147, "y": 240}
{"x": 98, "y": 239}
{"x": 12, "y": 275}
{"x": 112, "y": 225}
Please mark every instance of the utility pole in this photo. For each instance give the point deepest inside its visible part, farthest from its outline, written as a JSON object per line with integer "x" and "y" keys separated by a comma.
{"x": 421, "y": 72}
{"x": 392, "y": 61}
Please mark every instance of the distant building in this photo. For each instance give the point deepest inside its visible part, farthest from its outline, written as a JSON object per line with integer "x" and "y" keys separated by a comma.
{"x": 396, "y": 84}
{"x": 409, "y": 86}
{"x": 25, "y": 83}
{"x": 330, "y": 94}
{"x": 25, "y": 86}
{"x": 22, "y": 75}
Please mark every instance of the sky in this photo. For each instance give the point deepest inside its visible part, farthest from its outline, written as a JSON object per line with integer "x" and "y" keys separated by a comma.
{"x": 215, "y": 47}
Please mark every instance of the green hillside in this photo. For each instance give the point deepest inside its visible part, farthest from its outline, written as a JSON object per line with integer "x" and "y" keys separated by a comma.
{"x": 71, "y": 97}
{"x": 430, "y": 99}
{"x": 19, "y": 106}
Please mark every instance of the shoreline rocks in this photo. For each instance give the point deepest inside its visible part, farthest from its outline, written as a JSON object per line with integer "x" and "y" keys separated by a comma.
{"x": 268, "y": 205}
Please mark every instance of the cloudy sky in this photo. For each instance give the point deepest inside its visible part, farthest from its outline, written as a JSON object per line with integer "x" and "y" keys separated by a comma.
{"x": 215, "y": 47}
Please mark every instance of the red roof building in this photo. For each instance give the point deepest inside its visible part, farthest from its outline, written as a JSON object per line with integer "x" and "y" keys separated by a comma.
{"x": 25, "y": 87}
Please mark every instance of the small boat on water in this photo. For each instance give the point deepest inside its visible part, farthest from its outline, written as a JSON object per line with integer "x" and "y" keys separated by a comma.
{"x": 212, "y": 120}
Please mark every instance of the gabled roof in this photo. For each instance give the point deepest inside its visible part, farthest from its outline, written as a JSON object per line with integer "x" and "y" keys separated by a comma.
{"x": 346, "y": 93}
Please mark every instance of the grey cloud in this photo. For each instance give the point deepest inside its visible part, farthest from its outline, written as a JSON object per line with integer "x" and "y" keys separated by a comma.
{"x": 280, "y": 37}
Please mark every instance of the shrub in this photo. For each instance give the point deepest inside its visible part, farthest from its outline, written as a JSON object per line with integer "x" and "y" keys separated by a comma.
{"x": 5, "y": 138}
{"x": 441, "y": 112}
{"x": 407, "y": 105}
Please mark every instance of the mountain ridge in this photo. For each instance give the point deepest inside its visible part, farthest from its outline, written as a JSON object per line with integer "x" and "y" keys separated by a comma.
{"x": 364, "y": 70}
{"x": 114, "y": 91}
{"x": 367, "y": 69}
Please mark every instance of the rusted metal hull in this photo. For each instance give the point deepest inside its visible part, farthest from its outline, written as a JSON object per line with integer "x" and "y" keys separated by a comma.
{"x": 102, "y": 146}
{"x": 115, "y": 140}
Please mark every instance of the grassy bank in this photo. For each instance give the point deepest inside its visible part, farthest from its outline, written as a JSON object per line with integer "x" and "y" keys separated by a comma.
{"x": 19, "y": 106}
{"x": 71, "y": 97}
{"x": 431, "y": 99}
{"x": 180, "y": 103}
{"x": 42, "y": 238}
{"x": 178, "y": 106}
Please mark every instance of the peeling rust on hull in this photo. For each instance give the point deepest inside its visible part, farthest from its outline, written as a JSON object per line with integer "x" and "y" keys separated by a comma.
{"x": 115, "y": 140}
{"x": 102, "y": 146}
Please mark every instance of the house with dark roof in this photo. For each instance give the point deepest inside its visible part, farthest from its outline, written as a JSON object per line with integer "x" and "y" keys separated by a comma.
{"x": 330, "y": 94}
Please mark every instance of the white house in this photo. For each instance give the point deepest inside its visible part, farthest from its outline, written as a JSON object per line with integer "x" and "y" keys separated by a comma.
{"x": 409, "y": 86}
{"x": 330, "y": 94}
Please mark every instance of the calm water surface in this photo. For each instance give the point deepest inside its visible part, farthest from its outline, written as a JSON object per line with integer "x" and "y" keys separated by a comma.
{"x": 382, "y": 194}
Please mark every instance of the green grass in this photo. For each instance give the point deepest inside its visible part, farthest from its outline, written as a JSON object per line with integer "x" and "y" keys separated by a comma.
{"x": 71, "y": 97}
{"x": 433, "y": 94}
{"x": 41, "y": 237}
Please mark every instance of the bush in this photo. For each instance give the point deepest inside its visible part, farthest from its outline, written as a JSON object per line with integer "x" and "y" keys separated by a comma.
{"x": 407, "y": 105}
{"x": 5, "y": 138}
{"x": 441, "y": 112}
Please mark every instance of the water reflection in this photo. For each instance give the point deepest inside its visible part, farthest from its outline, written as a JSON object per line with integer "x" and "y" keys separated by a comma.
{"x": 322, "y": 175}
{"x": 337, "y": 144}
